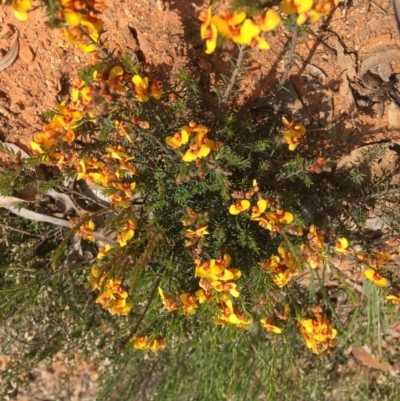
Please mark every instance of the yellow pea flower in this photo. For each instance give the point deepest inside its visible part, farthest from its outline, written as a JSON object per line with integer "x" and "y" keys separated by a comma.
{"x": 141, "y": 86}
{"x": 199, "y": 232}
{"x": 239, "y": 207}
{"x": 269, "y": 21}
{"x": 124, "y": 237}
{"x": 140, "y": 343}
{"x": 169, "y": 304}
{"x": 208, "y": 30}
{"x": 20, "y": 9}
{"x": 103, "y": 250}
{"x": 86, "y": 230}
{"x": 227, "y": 22}
{"x": 247, "y": 32}
{"x": 272, "y": 264}
{"x": 341, "y": 245}
{"x": 394, "y": 298}
{"x": 267, "y": 324}
{"x": 230, "y": 314}
{"x": 376, "y": 278}
{"x": 206, "y": 269}
{"x": 72, "y": 17}
{"x": 189, "y": 304}
{"x": 281, "y": 279}
{"x": 292, "y": 133}
{"x": 178, "y": 139}
{"x": 157, "y": 344}
{"x": 36, "y": 148}
{"x": 117, "y": 152}
{"x": 280, "y": 217}
{"x": 44, "y": 140}
{"x": 203, "y": 296}
{"x": 156, "y": 90}
{"x": 262, "y": 205}
{"x": 296, "y": 6}
{"x": 196, "y": 152}
{"x": 115, "y": 78}
{"x": 226, "y": 287}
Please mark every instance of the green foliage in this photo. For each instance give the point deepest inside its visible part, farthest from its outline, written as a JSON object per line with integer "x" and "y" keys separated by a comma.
{"x": 242, "y": 200}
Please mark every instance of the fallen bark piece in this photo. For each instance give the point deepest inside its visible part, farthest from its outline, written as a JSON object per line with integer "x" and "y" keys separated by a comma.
{"x": 10, "y": 57}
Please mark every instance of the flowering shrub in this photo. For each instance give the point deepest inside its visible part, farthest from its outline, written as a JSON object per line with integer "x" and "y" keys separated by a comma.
{"x": 207, "y": 233}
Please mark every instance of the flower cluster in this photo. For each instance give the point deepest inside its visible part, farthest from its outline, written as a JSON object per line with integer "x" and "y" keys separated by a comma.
{"x": 313, "y": 253}
{"x": 145, "y": 344}
{"x": 188, "y": 301}
{"x": 199, "y": 231}
{"x": 375, "y": 263}
{"x": 230, "y": 314}
{"x": 113, "y": 297}
{"x": 318, "y": 333}
{"x": 85, "y": 230}
{"x": 237, "y": 27}
{"x": 60, "y": 129}
{"x": 217, "y": 282}
{"x": 82, "y": 25}
{"x": 199, "y": 145}
{"x": 313, "y": 9}
{"x": 282, "y": 267}
{"x": 111, "y": 85}
{"x": 292, "y": 133}
{"x": 217, "y": 275}
{"x": 272, "y": 220}
{"x": 113, "y": 169}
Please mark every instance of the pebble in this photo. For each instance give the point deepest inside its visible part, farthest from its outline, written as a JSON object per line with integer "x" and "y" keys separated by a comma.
{"x": 168, "y": 60}
{"x": 25, "y": 52}
{"x": 311, "y": 43}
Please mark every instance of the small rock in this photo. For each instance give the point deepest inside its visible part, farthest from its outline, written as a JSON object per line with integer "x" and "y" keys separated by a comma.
{"x": 168, "y": 60}
{"x": 25, "y": 52}
{"x": 310, "y": 43}
{"x": 15, "y": 108}
{"x": 205, "y": 65}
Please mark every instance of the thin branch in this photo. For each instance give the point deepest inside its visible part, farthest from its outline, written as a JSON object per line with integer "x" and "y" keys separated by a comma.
{"x": 134, "y": 330}
{"x": 58, "y": 323}
{"x": 232, "y": 81}
{"x": 18, "y": 340}
{"x": 98, "y": 47}
{"x": 295, "y": 31}
{"x": 155, "y": 139}
{"x": 299, "y": 171}
{"x": 19, "y": 231}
